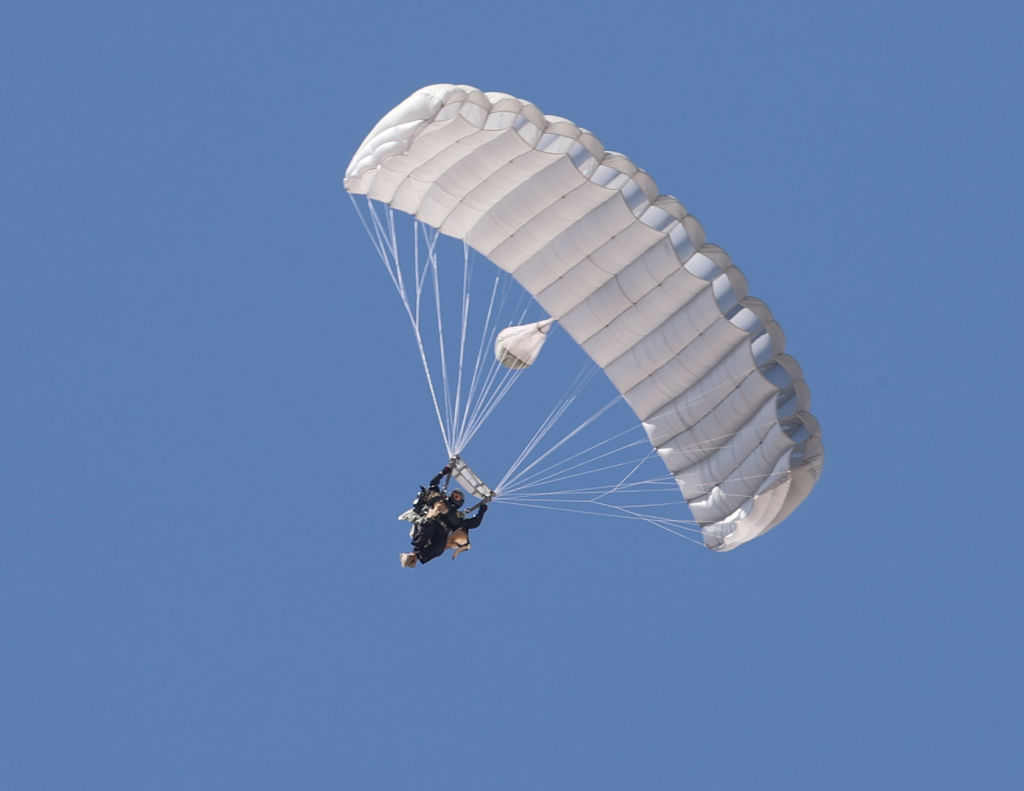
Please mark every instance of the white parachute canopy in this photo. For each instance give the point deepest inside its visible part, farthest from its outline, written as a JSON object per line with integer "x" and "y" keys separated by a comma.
{"x": 627, "y": 273}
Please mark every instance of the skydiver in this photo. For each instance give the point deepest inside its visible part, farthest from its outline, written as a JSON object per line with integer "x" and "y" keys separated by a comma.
{"x": 437, "y": 523}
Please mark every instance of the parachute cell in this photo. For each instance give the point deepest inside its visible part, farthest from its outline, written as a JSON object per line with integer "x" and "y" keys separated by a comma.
{"x": 628, "y": 274}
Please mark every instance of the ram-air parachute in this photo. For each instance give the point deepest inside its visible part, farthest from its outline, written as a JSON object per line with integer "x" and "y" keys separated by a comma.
{"x": 621, "y": 268}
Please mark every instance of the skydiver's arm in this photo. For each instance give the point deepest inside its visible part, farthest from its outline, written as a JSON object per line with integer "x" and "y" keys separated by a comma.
{"x": 474, "y": 521}
{"x": 435, "y": 482}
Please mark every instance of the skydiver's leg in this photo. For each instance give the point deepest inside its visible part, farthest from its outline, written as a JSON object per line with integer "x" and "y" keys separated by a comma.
{"x": 422, "y": 531}
{"x": 428, "y": 540}
{"x": 432, "y": 550}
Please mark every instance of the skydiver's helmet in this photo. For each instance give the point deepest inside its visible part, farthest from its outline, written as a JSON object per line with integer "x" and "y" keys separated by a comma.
{"x": 456, "y": 499}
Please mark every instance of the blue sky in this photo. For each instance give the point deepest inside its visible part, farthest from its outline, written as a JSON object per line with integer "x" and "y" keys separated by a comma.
{"x": 213, "y": 411}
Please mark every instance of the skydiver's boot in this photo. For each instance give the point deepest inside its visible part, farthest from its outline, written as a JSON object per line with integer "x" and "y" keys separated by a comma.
{"x": 408, "y": 560}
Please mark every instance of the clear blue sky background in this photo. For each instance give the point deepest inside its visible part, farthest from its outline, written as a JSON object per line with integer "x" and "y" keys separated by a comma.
{"x": 212, "y": 410}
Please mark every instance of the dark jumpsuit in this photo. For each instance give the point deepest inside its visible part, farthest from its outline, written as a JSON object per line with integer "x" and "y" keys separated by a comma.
{"x": 430, "y": 536}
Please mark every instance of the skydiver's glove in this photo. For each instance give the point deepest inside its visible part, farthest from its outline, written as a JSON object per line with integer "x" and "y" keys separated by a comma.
{"x": 446, "y": 470}
{"x": 483, "y": 508}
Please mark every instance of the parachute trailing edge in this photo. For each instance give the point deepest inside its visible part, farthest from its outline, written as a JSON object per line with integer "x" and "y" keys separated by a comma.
{"x": 628, "y": 274}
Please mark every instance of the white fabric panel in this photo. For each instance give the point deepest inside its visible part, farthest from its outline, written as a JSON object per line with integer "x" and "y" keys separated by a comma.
{"x": 578, "y": 240}
{"x": 522, "y": 203}
{"x": 717, "y": 445}
{"x": 547, "y": 225}
{"x": 452, "y": 150}
{"x": 676, "y": 294}
{"x": 477, "y": 164}
{"x": 597, "y": 311}
{"x": 624, "y": 292}
{"x": 481, "y": 157}
{"x": 736, "y": 491}
{"x": 455, "y": 172}
{"x": 682, "y": 425}
{"x": 672, "y": 338}
{"x": 409, "y": 182}
{"x": 647, "y": 270}
{"x": 512, "y": 171}
{"x": 584, "y": 277}
{"x": 720, "y": 429}
{"x": 628, "y": 274}
{"x": 713, "y": 372}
